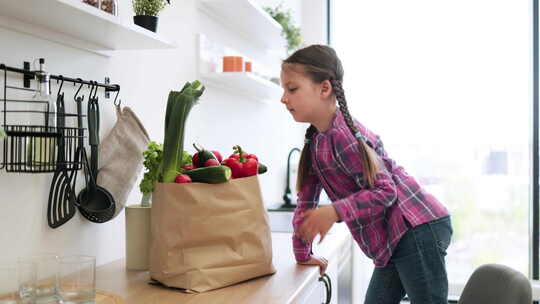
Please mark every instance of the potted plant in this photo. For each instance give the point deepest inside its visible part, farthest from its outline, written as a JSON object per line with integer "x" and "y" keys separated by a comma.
{"x": 290, "y": 31}
{"x": 147, "y": 11}
{"x": 138, "y": 236}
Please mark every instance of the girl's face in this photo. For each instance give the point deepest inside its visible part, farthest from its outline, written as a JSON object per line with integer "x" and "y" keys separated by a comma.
{"x": 304, "y": 99}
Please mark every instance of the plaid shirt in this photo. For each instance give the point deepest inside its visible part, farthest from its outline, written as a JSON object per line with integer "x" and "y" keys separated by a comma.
{"x": 375, "y": 217}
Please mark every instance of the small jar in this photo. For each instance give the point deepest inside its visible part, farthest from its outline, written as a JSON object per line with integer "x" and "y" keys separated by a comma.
{"x": 247, "y": 67}
{"x": 109, "y": 6}
{"x": 228, "y": 63}
{"x": 94, "y": 3}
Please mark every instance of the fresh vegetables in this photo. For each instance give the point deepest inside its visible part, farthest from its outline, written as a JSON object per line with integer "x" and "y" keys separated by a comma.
{"x": 211, "y": 162}
{"x": 188, "y": 167}
{"x": 262, "y": 169}
{"x": 210, "y": 175}
{"x": 242, "y": 164}
{"x": 182, "y": 179}
{"x": 179, "y": 105}
{"x": 204, "y": 166}
{"x": 218, "y": 156}
{"x": 152, "y": 159}
{"x": 202, "y": 155}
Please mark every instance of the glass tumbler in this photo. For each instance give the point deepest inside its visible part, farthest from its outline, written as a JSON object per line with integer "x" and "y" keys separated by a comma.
{"x": 46, "y": 283}
{"x": 77, "y": 279}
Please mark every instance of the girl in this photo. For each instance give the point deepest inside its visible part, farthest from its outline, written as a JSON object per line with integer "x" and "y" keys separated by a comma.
{"x": 396, "y": 223}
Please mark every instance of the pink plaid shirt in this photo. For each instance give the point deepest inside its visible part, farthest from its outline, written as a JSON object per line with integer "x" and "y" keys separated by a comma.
{"x": 375, "y": 217}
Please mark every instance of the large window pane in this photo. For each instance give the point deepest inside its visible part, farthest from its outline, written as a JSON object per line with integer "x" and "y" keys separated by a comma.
{"x": 447, "y": 86}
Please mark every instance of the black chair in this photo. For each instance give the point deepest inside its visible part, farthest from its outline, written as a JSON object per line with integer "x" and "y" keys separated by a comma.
{"x": 496, "y": 284}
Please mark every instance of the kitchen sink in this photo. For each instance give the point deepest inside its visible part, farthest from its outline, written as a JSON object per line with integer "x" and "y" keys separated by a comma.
{"x": 281, "y": 220}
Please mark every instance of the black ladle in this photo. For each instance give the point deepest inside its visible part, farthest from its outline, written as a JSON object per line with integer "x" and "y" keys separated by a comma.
{"x": 94, "y": 199}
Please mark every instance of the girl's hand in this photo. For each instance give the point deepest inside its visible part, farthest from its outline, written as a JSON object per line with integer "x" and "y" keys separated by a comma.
{"x": 316, "y": 260}
{"x": 317, "y": 221}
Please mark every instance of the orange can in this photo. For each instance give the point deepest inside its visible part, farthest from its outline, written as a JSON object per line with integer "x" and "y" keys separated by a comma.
{"x": 248, "y": 66}
{"x": 229, "y": 63}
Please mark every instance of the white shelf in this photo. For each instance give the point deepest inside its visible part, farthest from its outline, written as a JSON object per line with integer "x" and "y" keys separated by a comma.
{"x": 76, "y": 24}
{"x": 243, "y": 83}
{"x": 247, "y": 19}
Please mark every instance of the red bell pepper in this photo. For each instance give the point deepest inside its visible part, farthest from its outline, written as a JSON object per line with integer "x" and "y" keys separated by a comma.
{"x": 242, "y": 164}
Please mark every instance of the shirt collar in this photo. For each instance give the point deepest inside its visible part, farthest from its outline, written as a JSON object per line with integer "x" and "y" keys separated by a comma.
{"x": 336, "y": 122}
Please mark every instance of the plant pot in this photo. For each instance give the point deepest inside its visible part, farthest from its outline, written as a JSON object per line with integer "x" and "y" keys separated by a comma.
{"x": 138, "y": 237}
{"x": 148, "y": 22}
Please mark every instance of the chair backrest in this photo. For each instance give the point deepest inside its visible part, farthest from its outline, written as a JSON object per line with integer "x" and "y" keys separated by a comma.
{"x": 496, "y": 284}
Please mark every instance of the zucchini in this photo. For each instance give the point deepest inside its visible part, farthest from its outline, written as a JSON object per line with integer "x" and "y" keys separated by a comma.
{"x": 210, "y": 175}
{"x": 262, "y": 169}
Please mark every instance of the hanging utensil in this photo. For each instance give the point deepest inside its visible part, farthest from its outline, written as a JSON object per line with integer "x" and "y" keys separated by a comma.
{"x": 95, "y": 202}
{"x": 60, "y": 207}
{"x": 80, "y": 137}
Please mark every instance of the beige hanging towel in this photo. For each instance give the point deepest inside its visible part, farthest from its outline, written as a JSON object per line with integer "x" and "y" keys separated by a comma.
{"x": 120, "y": 156}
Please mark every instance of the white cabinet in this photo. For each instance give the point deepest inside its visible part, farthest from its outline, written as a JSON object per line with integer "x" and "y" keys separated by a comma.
{"x": 362, "y": 271}
{"x": 318, "y": 292}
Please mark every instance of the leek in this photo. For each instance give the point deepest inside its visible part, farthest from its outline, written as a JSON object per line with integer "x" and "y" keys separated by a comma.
{"x": 179, "y": 105}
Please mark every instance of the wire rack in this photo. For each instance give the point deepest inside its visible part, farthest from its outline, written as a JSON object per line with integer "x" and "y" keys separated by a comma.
{"x": 33, "y": 147}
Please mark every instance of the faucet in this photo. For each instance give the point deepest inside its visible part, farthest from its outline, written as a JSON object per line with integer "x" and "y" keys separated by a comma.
{"x": 287, "y": 195}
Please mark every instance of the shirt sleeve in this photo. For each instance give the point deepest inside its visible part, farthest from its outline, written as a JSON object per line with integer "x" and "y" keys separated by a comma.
{"x": 308, "y": 198}
{"x": 364, "y": 202}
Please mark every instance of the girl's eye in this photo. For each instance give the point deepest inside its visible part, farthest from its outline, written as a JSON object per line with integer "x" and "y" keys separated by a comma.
{"x": 292, "y": 89}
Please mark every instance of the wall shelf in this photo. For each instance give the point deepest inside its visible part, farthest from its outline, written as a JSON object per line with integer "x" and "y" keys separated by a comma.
{"x": 247, "y": 19}
{"x": 76, "y": 24}
{"x": 247, "y": 84}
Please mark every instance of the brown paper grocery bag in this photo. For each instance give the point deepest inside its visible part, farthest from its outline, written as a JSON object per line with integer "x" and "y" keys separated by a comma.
{"x": 207, "y": 236}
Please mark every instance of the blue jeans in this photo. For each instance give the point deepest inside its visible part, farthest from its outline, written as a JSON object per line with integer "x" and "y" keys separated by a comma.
{"x": 416, "y": 268}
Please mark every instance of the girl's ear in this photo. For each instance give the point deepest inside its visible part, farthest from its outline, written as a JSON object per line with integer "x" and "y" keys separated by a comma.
{"x": 326, "y": 89}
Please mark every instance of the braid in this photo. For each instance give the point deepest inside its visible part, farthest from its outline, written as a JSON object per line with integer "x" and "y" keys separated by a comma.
{"x": 304, "y": 165}
{"x": 368, "y": 155}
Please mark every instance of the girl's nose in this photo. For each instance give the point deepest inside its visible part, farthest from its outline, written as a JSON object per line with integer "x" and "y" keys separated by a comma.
{"x": 284, "y": 99}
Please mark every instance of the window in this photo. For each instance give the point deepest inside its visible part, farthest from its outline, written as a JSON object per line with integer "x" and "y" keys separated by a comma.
{"x": 448, "y": 87}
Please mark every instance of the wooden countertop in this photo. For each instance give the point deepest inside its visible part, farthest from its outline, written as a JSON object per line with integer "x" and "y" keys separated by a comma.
{"x": 285, "y": 286}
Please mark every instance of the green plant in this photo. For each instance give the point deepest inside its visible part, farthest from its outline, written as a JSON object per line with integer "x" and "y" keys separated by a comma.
{"x": 290, "y": 31}
{"x": 2, "y": 133}
{"x": 148, "y": 7}
{"x": 152, "y": 159}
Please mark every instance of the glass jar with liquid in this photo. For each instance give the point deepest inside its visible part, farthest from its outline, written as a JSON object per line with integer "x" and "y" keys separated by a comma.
{"x": 41, "y": 126}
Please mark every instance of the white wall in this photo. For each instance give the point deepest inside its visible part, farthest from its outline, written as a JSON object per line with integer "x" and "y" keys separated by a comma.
{"x": 220, "y": 121}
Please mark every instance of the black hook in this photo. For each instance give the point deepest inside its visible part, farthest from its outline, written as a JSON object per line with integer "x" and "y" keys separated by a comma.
{"x": 61, "y": 84}
{"x": 91, "y": 89}
{"x": 115, "y": 97}
{"x": 80, "y": 81}
{"x": 96, "y": 86}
